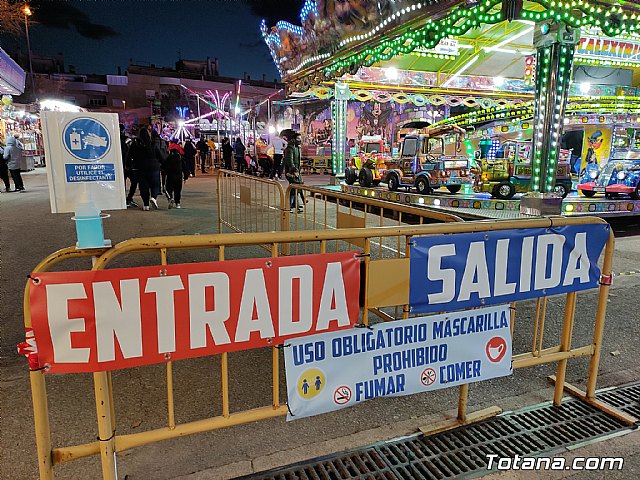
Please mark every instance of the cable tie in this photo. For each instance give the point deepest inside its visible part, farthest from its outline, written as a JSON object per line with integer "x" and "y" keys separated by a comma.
{"x": 107, "y": 439}
{"x": 362, "y": 325}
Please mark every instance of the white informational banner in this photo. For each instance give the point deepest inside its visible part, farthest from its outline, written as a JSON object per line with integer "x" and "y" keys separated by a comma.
{"x": 330, "y": 371}
{"x": 84, "y": 160}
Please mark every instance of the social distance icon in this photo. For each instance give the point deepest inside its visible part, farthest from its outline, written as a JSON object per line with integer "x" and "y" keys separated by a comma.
{"x": 496, "y": 349}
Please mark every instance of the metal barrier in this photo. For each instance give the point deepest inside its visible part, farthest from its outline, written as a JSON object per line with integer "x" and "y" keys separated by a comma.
{"x": 111, "y": 442}
{"x": 251, "y": 204}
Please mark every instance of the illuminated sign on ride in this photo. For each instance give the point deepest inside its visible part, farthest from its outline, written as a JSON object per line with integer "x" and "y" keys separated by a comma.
{"x": 454, "y": 272}
{"x": 605, "y": 48}
{"x": 108, "y": 319}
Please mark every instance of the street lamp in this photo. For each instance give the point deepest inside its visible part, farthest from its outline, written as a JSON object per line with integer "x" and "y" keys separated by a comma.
{"x": 27, "y": 13}
{"x": 124, "y": 104}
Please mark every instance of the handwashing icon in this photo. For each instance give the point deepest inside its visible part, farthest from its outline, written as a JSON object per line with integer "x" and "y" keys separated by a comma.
{"x": 87, "y": 139}
{"x": 95, "y": 141}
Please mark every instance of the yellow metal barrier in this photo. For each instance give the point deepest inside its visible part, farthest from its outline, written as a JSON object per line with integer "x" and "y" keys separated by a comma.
{"x": 303, "y": 207}
{"x": 250, "y": 204}
{"x": 110, "y": 442}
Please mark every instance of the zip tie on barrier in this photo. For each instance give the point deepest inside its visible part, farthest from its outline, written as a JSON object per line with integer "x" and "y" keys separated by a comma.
{"x": 362, "y": 255}
{"x": 362, "y": 325}
{"x": 35, "y": 280}
{"x": 106, "y": 439}
{"x": 606, "y": 279}
{"x": 283, "y": 346}
{"x": 289, "y": 410}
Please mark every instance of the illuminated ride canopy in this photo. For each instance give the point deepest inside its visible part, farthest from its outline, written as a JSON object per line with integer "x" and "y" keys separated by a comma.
{"x": 448, "y": 45}
{"x": 337, "y": 38}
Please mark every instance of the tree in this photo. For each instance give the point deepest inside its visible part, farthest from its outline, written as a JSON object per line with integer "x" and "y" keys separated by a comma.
{"x": 11, "y": 17}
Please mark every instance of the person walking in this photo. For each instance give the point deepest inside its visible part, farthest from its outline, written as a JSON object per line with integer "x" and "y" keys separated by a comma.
{"x": 203, "y": 151}
{"x": 292, "y": 156}
{"x": 12, "y": 155}
{"x": 177, "y": 171}
{"x": 128, "y": 173}
{"x": 278, "y": 145}
{"x": 161, "y": 152}
{"x": 4, "y": 170}
{"x": 143, "y": 160}
{"x": 190, "y": 156}
{"x": 238, "y": 152}
{"x": 213, "y": 153}
{"x": 227, "y": 153}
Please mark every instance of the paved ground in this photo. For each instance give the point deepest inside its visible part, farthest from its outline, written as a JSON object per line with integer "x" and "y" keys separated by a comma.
{"x": 29, "y": 232}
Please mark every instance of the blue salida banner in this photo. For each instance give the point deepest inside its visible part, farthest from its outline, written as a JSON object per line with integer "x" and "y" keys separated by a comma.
{"x": 461, "y": 271}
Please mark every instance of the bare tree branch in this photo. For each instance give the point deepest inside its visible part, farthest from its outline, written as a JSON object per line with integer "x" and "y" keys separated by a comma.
{"x": 11, "y": 17}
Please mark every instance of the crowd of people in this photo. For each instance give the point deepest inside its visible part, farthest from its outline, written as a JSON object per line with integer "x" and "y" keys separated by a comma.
{"x": 154, "y": 166}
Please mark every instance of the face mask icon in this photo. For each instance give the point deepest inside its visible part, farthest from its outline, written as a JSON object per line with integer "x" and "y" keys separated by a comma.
{"x": 496, "y": 352}
{"x": 496, "y": 349}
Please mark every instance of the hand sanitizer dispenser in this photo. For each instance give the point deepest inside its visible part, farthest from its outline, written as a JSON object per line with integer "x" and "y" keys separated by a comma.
{"x": 89, "y": 226}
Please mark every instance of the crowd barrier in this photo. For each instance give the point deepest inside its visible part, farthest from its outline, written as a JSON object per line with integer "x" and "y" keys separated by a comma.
{"x": 393, "y": 292}
{"x": 252, "y": 204}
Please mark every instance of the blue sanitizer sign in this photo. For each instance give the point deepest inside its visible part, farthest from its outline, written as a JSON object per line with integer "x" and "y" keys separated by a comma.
{"x": 87, "y": 139}
{"x": 85, "y": 159}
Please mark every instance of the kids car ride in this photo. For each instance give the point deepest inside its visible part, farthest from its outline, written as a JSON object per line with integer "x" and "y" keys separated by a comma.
{"x": 620, "y": 176}
{"x": 424, "y": 165}
{"x": 369, "y": 165}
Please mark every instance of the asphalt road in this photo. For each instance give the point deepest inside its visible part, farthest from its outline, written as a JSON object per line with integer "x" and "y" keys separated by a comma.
{"x": 29, "y": 232}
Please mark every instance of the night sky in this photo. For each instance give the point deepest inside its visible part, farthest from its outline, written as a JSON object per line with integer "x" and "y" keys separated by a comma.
{"x": 97, "y": 36}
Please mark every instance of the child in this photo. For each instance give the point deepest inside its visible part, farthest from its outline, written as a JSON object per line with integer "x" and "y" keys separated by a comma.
{"x": 176, "y": 170}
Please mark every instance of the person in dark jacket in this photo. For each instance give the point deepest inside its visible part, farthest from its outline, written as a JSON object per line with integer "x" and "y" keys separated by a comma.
{"x": 203, "y": 152}
{"x": 238, "y": 152}
{"x": 227, "y": 153}
{"x": 177, "y": 171}
{"x": 143, "y": 159}
{"x": 292, "y": 172}
{"x": 161, "y": 152}
{"x": 12, "y": 155}
{"x": 128, "y": 173}
{"x": 190, "y": 156}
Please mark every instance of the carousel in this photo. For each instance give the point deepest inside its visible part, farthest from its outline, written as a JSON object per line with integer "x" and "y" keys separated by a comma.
{"x": 491, "y": 109}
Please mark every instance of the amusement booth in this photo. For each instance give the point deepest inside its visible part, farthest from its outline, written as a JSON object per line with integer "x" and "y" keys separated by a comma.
{"x": 491, "y": 109}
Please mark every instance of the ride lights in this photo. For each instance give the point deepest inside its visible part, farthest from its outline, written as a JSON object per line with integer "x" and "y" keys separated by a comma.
{"x": 466, "y": 17}
{"x": 593, "y": 174}
{"x": 621, "y": 175}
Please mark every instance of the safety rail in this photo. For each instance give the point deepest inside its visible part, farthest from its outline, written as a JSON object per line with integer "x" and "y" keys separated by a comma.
{"x": 265, "y": 205}
{"x": 247, "y": 203}
{"x": 111, "y": 442}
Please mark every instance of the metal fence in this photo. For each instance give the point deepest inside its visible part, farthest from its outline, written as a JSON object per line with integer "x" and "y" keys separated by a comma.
{"x": 375, "y": 296}
{"x": 252, "y": 204}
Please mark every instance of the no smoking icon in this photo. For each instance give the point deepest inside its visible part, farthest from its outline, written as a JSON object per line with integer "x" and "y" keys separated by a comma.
{"x": 342, "y": 395}
{"x": 428, "y": 377}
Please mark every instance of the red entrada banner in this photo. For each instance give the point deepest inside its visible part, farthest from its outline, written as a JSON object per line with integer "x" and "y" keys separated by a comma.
{"x": 103, "y": 320}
